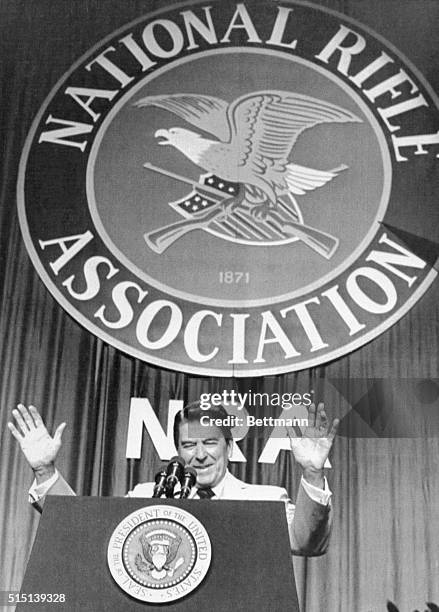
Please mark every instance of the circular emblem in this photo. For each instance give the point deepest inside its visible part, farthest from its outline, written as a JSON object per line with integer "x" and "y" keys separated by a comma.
{"x": 159, "y": 554}
{"x": 234, "y": 190}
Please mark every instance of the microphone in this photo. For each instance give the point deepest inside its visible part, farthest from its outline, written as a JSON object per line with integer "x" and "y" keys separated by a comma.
{"x": 190, "y": 477}
{"x": 160, "y": 483}
{"x": 174, "y": 474}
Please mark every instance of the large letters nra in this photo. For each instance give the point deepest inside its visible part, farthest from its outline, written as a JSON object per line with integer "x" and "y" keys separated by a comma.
{"x": 230, "y": 188}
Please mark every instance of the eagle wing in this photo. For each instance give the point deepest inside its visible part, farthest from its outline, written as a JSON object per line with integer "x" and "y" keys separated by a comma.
{"x": 205, "y": 112}
{"x": 265, "y": 126}
{"x": 145, "y": 548}
{"x": 173, "y": 549}
{"x": 301, "y": 179}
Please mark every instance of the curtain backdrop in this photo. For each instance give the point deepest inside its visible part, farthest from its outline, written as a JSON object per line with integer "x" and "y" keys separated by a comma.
{"x": 385, "y": 544}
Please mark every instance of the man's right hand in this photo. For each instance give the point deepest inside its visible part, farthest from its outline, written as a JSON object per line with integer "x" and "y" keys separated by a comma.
{"x": 38, "y": 446}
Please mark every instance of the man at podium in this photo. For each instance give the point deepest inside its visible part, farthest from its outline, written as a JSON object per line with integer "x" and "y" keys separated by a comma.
{"x": 205, "y": 444}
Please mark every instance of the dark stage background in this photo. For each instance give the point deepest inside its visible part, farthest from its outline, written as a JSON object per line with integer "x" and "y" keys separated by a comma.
{"x": 385, "y": 544}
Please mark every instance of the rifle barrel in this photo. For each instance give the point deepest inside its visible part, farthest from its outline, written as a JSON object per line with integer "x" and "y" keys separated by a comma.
{"x": 183, "y": 179}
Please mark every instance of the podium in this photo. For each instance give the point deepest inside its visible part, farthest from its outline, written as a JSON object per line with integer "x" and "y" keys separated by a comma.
{"x": 250, "y": 566}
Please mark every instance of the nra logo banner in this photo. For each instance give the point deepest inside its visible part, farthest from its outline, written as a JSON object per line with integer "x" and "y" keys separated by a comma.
{"x": 234, "y": 189}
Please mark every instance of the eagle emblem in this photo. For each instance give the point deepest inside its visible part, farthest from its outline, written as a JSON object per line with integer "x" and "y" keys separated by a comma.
{"x": 159, "y": 549}
{"x": 247, "y": 169}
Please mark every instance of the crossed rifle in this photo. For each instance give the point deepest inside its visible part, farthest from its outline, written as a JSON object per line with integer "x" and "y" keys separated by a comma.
{"x": 160, "y": 239}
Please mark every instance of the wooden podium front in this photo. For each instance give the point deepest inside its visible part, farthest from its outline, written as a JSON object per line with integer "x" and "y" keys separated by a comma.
{"x": 251, "y": 567}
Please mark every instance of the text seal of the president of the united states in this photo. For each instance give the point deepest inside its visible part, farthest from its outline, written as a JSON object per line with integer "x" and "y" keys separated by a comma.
{"x": 159, "y": 553}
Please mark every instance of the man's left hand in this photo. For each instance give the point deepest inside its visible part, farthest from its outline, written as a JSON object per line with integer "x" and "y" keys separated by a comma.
{"x": 312, "y": 448}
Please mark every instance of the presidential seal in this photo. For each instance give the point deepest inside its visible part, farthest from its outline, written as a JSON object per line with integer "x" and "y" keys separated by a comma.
{"x": 235, "y": 188}
{"x": 159, "y": 554}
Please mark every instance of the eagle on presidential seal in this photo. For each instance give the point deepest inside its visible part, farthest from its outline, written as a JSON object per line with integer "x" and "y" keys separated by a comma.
{"x": 159, "y": 549}
{"x": 252, "y": 139}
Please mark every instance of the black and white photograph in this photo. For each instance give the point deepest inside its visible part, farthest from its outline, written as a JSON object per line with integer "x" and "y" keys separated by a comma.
{"x": 219, "y": 305}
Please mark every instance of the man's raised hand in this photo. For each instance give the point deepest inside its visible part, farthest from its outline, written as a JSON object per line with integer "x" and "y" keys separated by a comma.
{"x": 38, "y": 446}
{"x": 312, "y": 448}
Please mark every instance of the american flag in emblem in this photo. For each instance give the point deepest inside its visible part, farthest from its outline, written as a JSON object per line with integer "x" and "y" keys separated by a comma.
{"x": 199, "y": 200}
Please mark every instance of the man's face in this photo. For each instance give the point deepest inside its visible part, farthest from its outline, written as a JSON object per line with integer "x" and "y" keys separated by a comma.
{"x": 205, "y": 449}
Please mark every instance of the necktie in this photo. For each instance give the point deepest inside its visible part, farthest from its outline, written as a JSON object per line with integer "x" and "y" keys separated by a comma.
{"x": 205, "y": 493}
